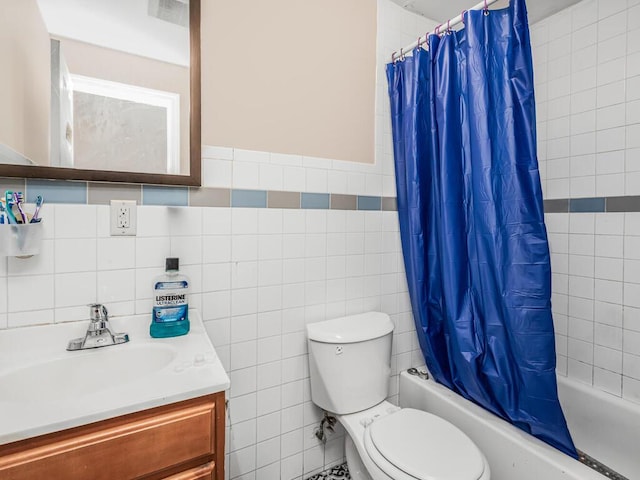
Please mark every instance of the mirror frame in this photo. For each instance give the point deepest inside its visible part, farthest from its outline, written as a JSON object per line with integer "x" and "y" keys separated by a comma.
{"x": 194, "y": 177}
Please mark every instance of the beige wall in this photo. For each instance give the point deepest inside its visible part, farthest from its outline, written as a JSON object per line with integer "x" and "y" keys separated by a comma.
{"x": 290, "y": 76}
{"x": 24, "y": 82}
{"x": 93, "y": 61}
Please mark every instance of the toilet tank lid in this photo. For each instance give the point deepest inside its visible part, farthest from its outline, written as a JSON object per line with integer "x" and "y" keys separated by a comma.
{"x": 351, "y": 329}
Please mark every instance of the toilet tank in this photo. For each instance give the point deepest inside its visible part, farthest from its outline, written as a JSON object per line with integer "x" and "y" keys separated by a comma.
{"x": 350, "y": 361}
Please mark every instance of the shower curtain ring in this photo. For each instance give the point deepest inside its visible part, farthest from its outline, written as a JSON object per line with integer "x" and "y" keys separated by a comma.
{"x": 401, "y": 54}
{"x": 437, "y": 30}
{"x": 462, "y": 16}
{"x": 486, "y": 8}
{"x": 449, "y": 27}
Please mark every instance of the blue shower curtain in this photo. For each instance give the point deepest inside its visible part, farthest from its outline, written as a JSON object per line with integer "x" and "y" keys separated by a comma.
{"x": 471, "y": 219}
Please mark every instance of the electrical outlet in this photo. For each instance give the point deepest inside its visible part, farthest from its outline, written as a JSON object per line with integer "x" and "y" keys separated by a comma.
{"x": 123, "y": 217}
{"x": 123, "y": 220}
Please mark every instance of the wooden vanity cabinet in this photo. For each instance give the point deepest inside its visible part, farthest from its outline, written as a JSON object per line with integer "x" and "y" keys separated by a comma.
{"x": 181, "y": 441}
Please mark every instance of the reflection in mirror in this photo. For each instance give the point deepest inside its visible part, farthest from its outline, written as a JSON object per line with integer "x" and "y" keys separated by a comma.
{"x": 96, "y": 84}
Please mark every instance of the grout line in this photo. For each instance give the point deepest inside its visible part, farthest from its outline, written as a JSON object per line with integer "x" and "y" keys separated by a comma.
{"x": 624, "y": 232}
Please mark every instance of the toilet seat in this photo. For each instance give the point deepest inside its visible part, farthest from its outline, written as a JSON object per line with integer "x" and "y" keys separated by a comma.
{"x": 411, "y": 444}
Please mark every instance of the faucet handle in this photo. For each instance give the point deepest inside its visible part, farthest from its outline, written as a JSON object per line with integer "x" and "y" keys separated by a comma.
{"x": 99, "y": 332}
{"x": 98, "y": 312}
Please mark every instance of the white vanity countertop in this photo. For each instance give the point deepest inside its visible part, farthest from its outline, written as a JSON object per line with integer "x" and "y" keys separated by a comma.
{"x": 44, "y": 388}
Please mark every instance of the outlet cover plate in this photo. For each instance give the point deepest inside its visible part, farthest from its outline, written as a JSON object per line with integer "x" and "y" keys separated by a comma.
{"x": 123, "y": 218}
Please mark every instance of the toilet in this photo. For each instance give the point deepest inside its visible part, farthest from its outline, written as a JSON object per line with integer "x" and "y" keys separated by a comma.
{"x": 349, "y": 364}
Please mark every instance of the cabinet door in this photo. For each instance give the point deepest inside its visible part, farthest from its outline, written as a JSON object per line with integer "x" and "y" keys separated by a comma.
{"x": 203, "y": 472}
{"x": 128, "y": 447}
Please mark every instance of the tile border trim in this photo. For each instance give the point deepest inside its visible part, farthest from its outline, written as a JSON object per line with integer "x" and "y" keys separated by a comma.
{"x": 222, "y": 197}
{"x": 94, "y": 193}
{"x": 629, "y": 203}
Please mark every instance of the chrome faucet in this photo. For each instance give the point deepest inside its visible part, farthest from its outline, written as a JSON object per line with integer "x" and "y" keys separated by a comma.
{"x": 99, "y": 333}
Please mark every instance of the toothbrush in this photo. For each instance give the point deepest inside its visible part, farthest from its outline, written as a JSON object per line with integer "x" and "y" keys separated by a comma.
{"x": 39, "y": 201}
{"x": 18, "y": 197}
{"x": 9, "y": 203}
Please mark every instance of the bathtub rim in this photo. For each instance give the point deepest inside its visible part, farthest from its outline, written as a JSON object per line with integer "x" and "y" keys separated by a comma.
{"x": 532, "y": 445}
{"x": 619, "y": 402}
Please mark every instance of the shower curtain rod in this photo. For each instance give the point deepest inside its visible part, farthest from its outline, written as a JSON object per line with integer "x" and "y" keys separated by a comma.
{"x": 484, "y": 5}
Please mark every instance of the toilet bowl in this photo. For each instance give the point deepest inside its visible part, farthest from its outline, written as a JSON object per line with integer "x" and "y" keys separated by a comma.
{"x": 349, "y": 363}
{"x": 392, "y": 443}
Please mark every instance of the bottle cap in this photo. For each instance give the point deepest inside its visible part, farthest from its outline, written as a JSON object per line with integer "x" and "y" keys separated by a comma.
{"x": 172, "y": 264}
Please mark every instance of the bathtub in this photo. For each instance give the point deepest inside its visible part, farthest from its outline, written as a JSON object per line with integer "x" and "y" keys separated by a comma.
{"x": 605, "y": 427}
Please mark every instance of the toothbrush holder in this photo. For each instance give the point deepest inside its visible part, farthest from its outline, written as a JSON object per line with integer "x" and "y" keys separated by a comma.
{"x": 20, "y": 240}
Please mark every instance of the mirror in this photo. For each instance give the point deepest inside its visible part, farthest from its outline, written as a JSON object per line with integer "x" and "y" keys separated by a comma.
{"x": 101, "y": 90}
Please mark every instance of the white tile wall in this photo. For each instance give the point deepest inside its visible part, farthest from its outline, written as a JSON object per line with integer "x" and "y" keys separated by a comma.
{"x": 255, "y": 295}
{"x": 587, "y": 80}
{"x": 587, "y": 71}
{"x": 397, "y": 28}
{"x": 596, "y": 286}
{"x": 245, "y": 169}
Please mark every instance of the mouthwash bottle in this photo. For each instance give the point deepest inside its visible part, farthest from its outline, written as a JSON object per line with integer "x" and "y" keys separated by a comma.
{"x": 170, "y": 302}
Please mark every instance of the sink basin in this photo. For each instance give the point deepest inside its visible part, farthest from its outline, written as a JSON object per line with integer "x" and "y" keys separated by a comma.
{"x": 44, "y": 388}
{"x": 89, "y": 372}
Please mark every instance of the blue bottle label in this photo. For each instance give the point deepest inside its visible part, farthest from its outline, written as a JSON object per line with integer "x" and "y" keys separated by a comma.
{"x": 169, "y": 314}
